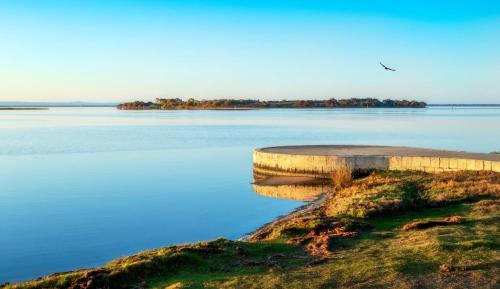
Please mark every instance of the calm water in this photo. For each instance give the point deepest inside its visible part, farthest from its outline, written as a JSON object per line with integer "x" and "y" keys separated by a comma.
{"x": 80, "y": 187}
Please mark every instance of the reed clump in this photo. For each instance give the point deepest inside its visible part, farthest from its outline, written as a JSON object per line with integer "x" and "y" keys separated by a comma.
{"x": 342, "y": 176}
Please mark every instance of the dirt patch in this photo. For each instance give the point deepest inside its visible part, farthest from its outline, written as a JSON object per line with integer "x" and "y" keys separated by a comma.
{"x": 447, "y": 268}
{"x": 89, "y": 280}
{"x": 321, "y": 238}
{"x": 421, "y": 225}
{"x": 302, "y": 214}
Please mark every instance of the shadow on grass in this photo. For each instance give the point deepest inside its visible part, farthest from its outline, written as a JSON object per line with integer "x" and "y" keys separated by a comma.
{"x": 388, "y": 223}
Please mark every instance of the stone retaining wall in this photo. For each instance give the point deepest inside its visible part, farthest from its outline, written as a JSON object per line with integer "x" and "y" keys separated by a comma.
{"x": 317, "y": 165}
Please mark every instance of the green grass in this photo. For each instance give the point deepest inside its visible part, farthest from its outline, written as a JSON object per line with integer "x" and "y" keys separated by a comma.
{"x": 398, "y": 220}
{"x": 193, "y": 264}
{"x": 257, "y": 259}
{"x": 388, "y": 257}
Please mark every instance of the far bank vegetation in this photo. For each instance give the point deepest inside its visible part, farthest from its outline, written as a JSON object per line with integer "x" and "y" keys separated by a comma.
{"x": 191, "y": 103}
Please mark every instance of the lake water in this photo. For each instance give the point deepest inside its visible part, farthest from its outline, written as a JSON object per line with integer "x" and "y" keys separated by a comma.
{"x": 82, "y": 186}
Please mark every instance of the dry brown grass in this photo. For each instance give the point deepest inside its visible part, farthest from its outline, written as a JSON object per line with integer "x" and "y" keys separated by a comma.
{"x": 460, "y": 186}
{"x": 388, "y": 192}
{"x": 342, "y": 176}
{"x": 487, "y": 206}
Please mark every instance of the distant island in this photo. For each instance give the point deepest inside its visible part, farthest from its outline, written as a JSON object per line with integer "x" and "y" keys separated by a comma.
{"x": 242, "y": 104}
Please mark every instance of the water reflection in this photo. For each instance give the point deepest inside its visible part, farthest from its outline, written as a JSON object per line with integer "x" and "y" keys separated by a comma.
{"x": 303, "y": 189}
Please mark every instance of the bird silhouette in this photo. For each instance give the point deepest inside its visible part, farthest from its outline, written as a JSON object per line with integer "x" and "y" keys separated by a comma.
{"x": 387, "y": 68}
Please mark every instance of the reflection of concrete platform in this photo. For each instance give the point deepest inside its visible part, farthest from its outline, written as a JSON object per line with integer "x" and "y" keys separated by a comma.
{"x": 321, "y": 160}
{"x": 293, "y": 188}
{"x": 292, "y": 192}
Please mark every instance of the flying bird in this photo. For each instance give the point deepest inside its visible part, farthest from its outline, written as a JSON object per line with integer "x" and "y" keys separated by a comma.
{"x": 387, "y": 68}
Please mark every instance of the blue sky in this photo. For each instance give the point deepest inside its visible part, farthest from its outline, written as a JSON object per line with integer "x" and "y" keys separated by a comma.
{"x": 124, "y": 50}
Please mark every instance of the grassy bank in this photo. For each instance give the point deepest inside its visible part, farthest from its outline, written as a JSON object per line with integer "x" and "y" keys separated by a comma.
{"x": 386, "y": 230}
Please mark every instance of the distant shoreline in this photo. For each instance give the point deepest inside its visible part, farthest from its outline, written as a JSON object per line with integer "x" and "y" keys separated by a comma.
{"x": 24, "y": 108}
{"x": 17, "y": 104}
{"x": 47, "y": 106}
{"x": 463, "y": 104}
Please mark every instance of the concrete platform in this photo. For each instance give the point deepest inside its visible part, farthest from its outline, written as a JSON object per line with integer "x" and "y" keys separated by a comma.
{"x": 321, "y": 160}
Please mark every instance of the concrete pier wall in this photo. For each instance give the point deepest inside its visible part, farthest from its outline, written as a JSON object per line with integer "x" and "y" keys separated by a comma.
{"x": 323, "y": 165}
{"x": 438, "y": 164}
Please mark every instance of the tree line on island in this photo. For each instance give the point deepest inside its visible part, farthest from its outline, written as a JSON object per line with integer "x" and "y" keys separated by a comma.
{"x": 191, "y": 103}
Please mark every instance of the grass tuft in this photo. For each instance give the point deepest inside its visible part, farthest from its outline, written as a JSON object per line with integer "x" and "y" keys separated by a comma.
{"x": 342, "y": 176}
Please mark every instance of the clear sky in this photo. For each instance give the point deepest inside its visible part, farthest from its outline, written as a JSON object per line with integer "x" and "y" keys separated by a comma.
{"x": 444, "y": 51}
